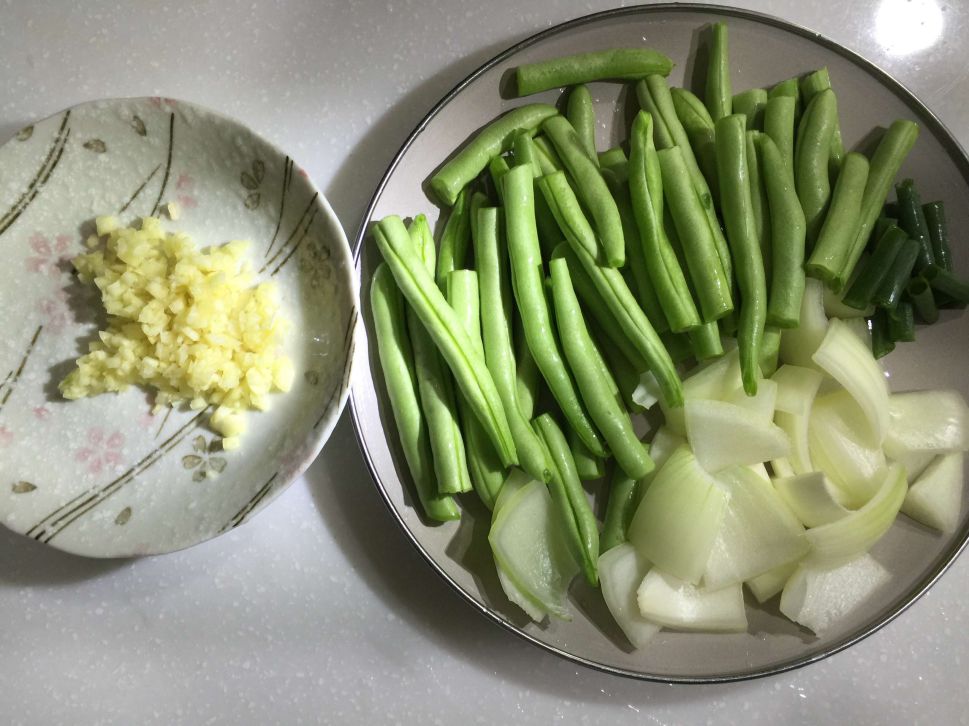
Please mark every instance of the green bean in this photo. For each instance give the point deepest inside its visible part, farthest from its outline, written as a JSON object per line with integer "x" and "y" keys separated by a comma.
{"x": 484, "y": 466}
{"x": 528, "y": 378}
{"x": 943, "y": 281}
{"x": 911, "y": 218}
{"x": 397, "y": 363}
{"x": 662, "y": 135}
{"x": 590, "y": 188}
{"x": 885, "y": 163}
{"x": 779, "y": 126}
{"x": 939, "y": 234}
{"x": 811, "y": 85}
{"x": 620, "y": 507}
{"x": 581, "y": 114}
{"x": 646, "y": 189}
{"x": 863, "y": 290}
{"x": 760, "y": 206}
{"x": 491, "y": 141}
{"x": 569, "y": 496}
{"x": 497, "y": 168}
{"x": 548, "y": 157}
{"x": 881, "y": 342}
{"x": 732, "y": 166}
{"x": 496, "y": 314}
{"x": 454, "y": 239}
{"x": 618, "y": 64}
{"x": 528, "y": 285}
{"x": 718, "y": 93}
{"x": 705, "y": 341}
{"x": 841, "y": 224}
{"x": 678, "y": 345}
{"x": 625, "y": 373}
{"x": 920, "y": 293}
{"x": 901, "y": 323}
{"x": 787, "y": 238}
{"x": 587, "y": 465}
{"x": 751, "y": 104}
{"x": 587, "y": 365}
{"x": 526, "y": 152}
{"x": 770, "y": 349}
{"x": 811, "y": 161}
{"x": 469, "y": 368}
{"x": 478, "y": 200}
{"x": 564, "y": 206}
{"x": 899, "y": 272}
{"x": 707, "y": 274}
{"x": 611, "y": 157}
{"x": 696, "y": 121}
{"x": 788, "y": 89}
{"x": 882, "y": 225}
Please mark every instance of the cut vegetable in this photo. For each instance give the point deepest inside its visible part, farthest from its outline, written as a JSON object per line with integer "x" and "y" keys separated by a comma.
{"x": 850, "y": 536}
{"x": 724, "y": 434}
{"x": 935, "y": 499}
{"x": 766, "y": 586}
{"x": 621, "y": 571}
{"x": 796, "y": 388}
{"x": 679, "y": 516}
{"x": 926, "y": 421}
{"x": 799, "y": 344}
{"x": 814, "y": 499}
{"x": 711, "y": 382}
{"x": 760, "y": 405}
{"x": 758, "y": 534}
{"x": 647, "y": 392}
{"x": 818, "y": 597}
{"x": 915, "y": 462}
{"x": 674, "y": 603}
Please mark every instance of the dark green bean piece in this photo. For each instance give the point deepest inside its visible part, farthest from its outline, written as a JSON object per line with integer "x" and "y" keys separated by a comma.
{"x": 841, "y": 223}
{"x": 779, "y": 125}
{"x": 718, "y": 92}
{"x": 885, "y": 163}
{"x": 710, "y": 282}
{"x": 787, "y": 238}
{"x": 881, "y": 342}
{"x": 590, "y": 188}
{"x": 732, "y": 165}
{"x": 678, "y": 345}
{"x": 454, "y": 239}
{"x": 568, "y": 494}
{"x": 705, "y": 341}
{"x": 618, "y": 64}
{"x": 491, "y": 141}
{"x": 770, "y": 349}
{"x": 788, "y": 89}
{"x": 911, "y": 218}
{"x": 760, "y": 206}
{"x": 469, "y": 368}
{"x": 620, "y": 507}
{"x": 862, "y": 291}
{"x": 587, "y": 465}
{"x": 899, "y": 273}
{"x": 901, "y": 323}
{"x": 591, "y": 375}
{"x": 882, "y": 225}
{"x": 811, "y": 155}
{"x": 920, "y": 293}
{"x": 397, "y": 362}
{"x": 751, "y": 104}
{"x": 581, "y": 114}
{"x": 611, "y": 157}
{"x": 696, "y": 121}
{"x": 496, "y": 316}
{"x": 939, "y": 234}
{"x": 945, "y": 282}
{"x": 528, "y": 285}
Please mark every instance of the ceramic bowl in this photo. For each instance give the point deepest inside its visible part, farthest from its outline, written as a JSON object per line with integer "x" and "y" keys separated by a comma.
{"x": 103, "y": 476}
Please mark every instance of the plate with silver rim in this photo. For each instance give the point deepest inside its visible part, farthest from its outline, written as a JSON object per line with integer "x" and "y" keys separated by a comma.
{"x": 763, "y": 51}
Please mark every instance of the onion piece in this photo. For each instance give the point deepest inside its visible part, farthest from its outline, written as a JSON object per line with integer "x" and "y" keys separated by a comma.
{"x": 765, "y": 586}
{"x": 799, "y": 344}
{"x": 724, "y": 434}
{"x": 669, "y": 601}
{"x": 926, "y": 421}
{"x": 796, "y": 388}
{"x": 711, "y": 381}
{"x": 762, "y": 404}
{"x": 935, "y": 499}
{"x": 621, "y": 571}
{"x": 814, "y": 499}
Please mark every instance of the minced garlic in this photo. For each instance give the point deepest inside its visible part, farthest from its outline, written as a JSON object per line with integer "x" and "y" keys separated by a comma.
{"x": 186, "y": 322}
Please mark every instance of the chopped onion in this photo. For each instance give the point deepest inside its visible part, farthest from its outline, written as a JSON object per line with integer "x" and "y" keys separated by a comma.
{"x": 765, "y": 586}
{"x": 814, "y": 499}
{"x": 514, "y": 482}
{"x": 674, "y": 603}
{"x": 926, "y": 421}
{"x": 711, "y": 381}
{"x": 816, "y": 597}
{"x": 855, "y": 534}
{"x": 724, "y": 434}
{"x": 796, "y": 426}
{"x": 758, "y": 532}
{"x": 762, "y": 404}
{"x": 796, "y": 388}
{"x": 517, "y": 597}
{"x": 935, "y": 499}
{"x": 860, "y": 328}
{"x": 664, "y": 443}
{"x": 834, "y": 308}
{"x": 915, "y": 462}
{"x": 782, "y": 467}
{"x": 848, "y": 361}
{"x": 647, "y": 391}
{"x": 799, "y": 344}
{"x": 621, "y": 571}
{"x": 679, "y": 517}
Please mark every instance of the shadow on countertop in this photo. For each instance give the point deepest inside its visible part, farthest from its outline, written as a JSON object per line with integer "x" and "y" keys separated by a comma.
{"x": 26, "y": 562}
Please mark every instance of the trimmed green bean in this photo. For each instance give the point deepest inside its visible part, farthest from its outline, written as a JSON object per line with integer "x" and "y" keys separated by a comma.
{"x": 620, "y": 507}
{"x": 397, "y": 362}
{"x": 939, "y": 233}
{"x": 526, "y": 152}
{"x": 710, "y": 282}
{"x": 497, "y": 168}
{"x": 881, "y": 342}
{"x": 528, "y": 285}
{"x": 945, "y": 282}
{"x": 901, "y": 323}
{"x": 491, "y": 141}
{"x": 811, "y": 85}
{"x": 718, "y": 92}
{"x": 811, "y": 155}
{"x": 566, "y": 210}
{"x": 587, "y": 365}
{"x": 770, "y": 350}
{"x": 911, "y": 218}
{"x": 569, "y": 496}
{"x": 469, "y": 368}
{"x": 885, "y": 163}
{"x": 882, "y": 225}
{"x": 611, "y": 157}
{"x": 779, "y": 124}
{"x": 738, "y": 215}
{"x": 528, "y": 378}
{"x": 787, "y": 238}
{"x": 890, "y": 291}
{"x": 678, "y": 345}
{"x": 661, "y": 133}
{"x": 587, "y": 465}
{"x": 863, "y": 290}
{"x": 920, "y": 293}
{"x": 581, "y": 114}
{"x": 618, "y": 64}
{"x": 696, "y": 121}
{"x": 705, "y": 341}
{"x": 620, "y": 368}
{"x": 478, "y": 200}
{"x": 548, "y": 157}
{"x": 760, "y": 206}
{"x": 841, "y": 223}
{"x": 454, "y": 239}
{"x": 589, "y": 188}
{"x": 751, "y": 104}
{"x": 788, "y": 89}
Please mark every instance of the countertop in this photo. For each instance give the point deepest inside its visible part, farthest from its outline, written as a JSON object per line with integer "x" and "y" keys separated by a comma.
{"x": 319, "y": 610}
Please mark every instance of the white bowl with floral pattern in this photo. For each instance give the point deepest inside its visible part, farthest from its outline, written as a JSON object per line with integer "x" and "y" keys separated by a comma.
{"x": 102, "y": 476}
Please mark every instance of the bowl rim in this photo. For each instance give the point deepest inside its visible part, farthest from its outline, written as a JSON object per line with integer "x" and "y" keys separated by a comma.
{"x": 949, "y": 143}
{"x": 351, "y": 282}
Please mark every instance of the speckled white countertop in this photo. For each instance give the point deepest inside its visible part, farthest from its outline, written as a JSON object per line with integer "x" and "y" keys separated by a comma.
{"x": 319, "y": 610}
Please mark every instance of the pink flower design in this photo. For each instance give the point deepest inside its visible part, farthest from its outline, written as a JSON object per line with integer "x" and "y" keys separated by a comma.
{"x": 146, "y": 420}
{"x": 48, "y": 255}
{"x": 302, "y": 173}
{"x": 184, "y": 181}
{"x": 55, "y": 311}
{"x": 6, "y": 436}
{"x": 101, "y": 451}
{"x": 42, "y": 413}
{"x": 184, "y": 184}
{"x": 159, "y": 101}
